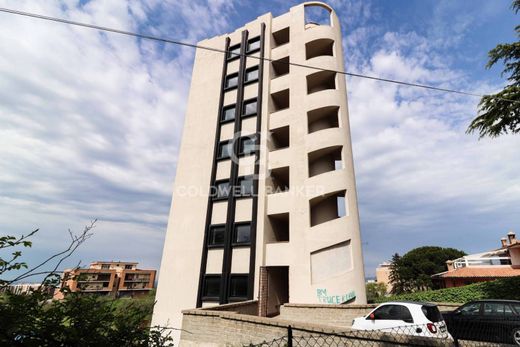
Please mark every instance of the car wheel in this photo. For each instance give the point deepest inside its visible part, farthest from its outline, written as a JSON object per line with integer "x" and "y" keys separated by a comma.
{"x": 516, "y": 336}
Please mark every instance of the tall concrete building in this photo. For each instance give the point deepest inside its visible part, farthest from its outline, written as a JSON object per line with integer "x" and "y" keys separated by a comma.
{"x": 264, "y": 204}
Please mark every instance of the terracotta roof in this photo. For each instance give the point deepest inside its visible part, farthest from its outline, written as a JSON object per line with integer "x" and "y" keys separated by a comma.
{"x": 486, "y": 272}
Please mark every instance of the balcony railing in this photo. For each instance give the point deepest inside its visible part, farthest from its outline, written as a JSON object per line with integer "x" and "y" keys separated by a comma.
{"x": 464, "y": 262}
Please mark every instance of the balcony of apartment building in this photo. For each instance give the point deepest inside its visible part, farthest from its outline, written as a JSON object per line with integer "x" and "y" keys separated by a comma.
{"x": 481, "y": 267}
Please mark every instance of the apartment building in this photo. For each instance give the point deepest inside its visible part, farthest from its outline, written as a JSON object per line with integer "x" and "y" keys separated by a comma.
{"x": 120, "y": 279}
{"x": 264, "y": 204}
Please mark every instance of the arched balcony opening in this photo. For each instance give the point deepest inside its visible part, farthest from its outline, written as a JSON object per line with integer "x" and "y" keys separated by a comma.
{"x": 321, "y": 80}
{"x": 319, "y": 47}
{"x": 328, "y": 207}
{"x": 323, "y": 118}
{"x": 325, "y": 160}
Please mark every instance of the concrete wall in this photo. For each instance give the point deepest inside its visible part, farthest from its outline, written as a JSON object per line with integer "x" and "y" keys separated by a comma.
{"x": 220, "y": 328}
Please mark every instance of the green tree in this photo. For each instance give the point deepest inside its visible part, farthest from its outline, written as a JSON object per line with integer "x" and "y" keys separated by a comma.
{"x": 375, "y": 291}
{"x": 500, "y": 112}
{"x": 412, "y": 272}
{"x": 34, "y": 319}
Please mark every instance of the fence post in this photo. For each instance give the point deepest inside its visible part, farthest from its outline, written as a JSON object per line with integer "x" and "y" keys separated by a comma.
{"x": 289, "y": 336}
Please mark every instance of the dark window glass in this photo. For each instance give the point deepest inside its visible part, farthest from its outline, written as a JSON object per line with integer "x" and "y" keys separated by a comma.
{"x": 242, "y": 233}
{"x": 432, "y": 313}
{"x": 216, "y": 235}
{"x": 517, "y": 308}
{"x": 238, "y": 286}
{"x": 246, "y": 186}
{"x": 211, "y": 287}
{"x": 128, "y": 266}
{"x": 221, "y": 190}
{"x": 247, "y": 145}
{"x": 105, "y": 266}
{"x": 252, "y": 74}
{"x": 228, "y": 113}
{"x": 393, "y": 312}
{"x": 470, "y": 309}
{"x": 253, "y": 44}
{"x": 225, "y": 150}
{"x": 231, "y": 80}
{"x": 250, "y": 108}
{"x": 233, "y": 51}
{"x": 496, "y": 309}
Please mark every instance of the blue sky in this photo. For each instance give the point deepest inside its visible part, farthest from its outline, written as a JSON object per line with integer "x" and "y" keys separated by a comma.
{"x": 90, "y": 122}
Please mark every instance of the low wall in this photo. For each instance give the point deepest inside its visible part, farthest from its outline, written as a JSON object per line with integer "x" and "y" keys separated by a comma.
{"x": 334, "y": 315}
{"x": 224, "y": 328}
{"x": 244, "y": 307}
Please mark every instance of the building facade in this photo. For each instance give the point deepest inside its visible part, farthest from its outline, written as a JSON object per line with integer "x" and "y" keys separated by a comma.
{"x": 498, "y": 263}
{"x": 383, "y": 275}
{"x": 264, "y": 203}
{"x": 120, "y": 279}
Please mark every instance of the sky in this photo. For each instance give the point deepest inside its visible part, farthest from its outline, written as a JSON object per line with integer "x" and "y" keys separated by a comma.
{"x": 90, "y": 122}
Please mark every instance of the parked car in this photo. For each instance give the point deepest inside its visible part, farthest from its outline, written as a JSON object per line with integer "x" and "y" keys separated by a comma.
{"x": 486, "y": 320}
{"x": 408, "y": 318}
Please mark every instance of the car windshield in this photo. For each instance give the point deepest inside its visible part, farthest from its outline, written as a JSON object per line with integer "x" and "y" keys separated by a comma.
{"x": 432, "y": 313}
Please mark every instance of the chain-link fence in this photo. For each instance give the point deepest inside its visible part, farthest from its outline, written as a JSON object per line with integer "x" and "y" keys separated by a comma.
{"x": 410, "y": 335}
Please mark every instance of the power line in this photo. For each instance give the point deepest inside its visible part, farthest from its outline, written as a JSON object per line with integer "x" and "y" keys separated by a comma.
{"x": 187, "y": 44}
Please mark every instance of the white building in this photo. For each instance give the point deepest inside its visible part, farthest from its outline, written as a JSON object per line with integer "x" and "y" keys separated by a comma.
{"x": 264, "y": 204}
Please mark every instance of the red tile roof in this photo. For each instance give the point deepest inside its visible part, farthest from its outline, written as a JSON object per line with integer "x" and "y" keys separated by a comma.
{"x": 483, "y": 272}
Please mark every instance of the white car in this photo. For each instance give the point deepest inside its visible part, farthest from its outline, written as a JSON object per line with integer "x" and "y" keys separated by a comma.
{"x": 407, "y": 318}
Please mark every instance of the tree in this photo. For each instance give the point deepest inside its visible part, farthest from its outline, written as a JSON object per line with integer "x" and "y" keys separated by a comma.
{"x": 412, "y": 272}
{"x": 375, "y": 290}
{"x": 500, "y": 112}
{"x": 33, "y": 319}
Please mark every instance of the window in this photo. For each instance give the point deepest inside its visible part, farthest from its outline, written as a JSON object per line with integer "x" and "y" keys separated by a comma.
{"x": 432, "y": 313}
{"x": 105, "y": 266}
{"x": 470, "y": 309}
{"x": 238, "y": 286}
{"x": 392, "y": 312}
{"x": 233, "y": 52}
{"x": 211, "y": 288}
{"x": 242, "y": 234}
{"x": 231, "y": 81}
{"x": 225, "y": 150}
{"x": 216, "y": 235}
{"x": 221, "y": 190}
{"x": 250, "y": 107}
{"x": 496, "y": 309}
{"x": 128, "y": 267}
{"x": 246, "y": 186}
{"x": 247, "y": 145}
{"x": 228, "y": 113}
{"x": 251, "y": 74}
{"x": 253, "y": 45}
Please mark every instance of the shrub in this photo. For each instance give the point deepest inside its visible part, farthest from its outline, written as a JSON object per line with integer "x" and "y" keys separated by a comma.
{"x": 506, "y": 288}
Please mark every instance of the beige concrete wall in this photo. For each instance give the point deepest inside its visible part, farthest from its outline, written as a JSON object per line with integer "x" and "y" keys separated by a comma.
{"x": 304, "y": 238}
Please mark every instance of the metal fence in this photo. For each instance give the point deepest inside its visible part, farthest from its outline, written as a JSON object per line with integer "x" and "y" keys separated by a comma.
{"x": 416, "y": 335}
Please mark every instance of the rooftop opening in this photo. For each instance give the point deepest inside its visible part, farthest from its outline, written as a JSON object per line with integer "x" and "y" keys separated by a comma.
{"x": 277, "y": 228}
{"x": 280, "y": 100}
{"x": 325, "y": 160}
{"x": 318, "y": 48}
{"x": 279, "y": 138}
{"x": 281, "y": 37}
{"x": 328, "y": 207}
{"x": 323, "y": 118}
{"x": 321, "y": 80}
{"x": 316, "y": 14}
{"x": 280, "y": 67}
